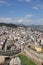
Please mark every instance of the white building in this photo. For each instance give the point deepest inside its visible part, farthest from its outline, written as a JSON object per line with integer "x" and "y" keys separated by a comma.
{"x": 15, "y": 61}
{"x": 41, "y": 41}
{"x": 2, "y": 59}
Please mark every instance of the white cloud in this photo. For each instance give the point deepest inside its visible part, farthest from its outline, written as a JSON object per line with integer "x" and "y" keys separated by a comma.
{"x": 24, "y": 19}
{"x": 20, "y": 20}
{"x": 4, "y": 2}
{"x": 9, "y": 20}
{"x": 36, "y": 8}
{"x": 40, "y": 6}
{"x": 28, "y": 0}
{"x": 28, "y": 16}
{"x": 40, "y": 20}
{"x": 27, "y": 20}
{"x": 24, "y": 0}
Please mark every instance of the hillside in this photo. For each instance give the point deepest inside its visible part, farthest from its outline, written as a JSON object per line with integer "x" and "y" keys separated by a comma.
{"x": 8, "y": 25}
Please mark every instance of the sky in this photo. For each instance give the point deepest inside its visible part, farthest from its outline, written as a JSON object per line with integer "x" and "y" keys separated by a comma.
{"x": 28, "y": 12}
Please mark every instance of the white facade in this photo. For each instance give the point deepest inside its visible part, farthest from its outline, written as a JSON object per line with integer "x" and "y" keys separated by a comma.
{"x": 15, "y": 61}
{"x": 41, "y": 41}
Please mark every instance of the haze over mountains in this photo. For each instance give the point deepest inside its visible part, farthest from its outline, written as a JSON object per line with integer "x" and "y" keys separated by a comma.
{"x": 36, "y": 27}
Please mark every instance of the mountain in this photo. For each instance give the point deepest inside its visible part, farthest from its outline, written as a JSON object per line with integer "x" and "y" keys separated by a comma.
{"x": 8, "y": 25}
{"x": 21, "y": 25}
{"x": 37, "y": 27}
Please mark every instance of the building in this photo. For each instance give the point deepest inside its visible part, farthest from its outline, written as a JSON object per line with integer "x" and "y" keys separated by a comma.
{"x": 38, "y": 49}
{"x": 15, "y": 61}
{"x": 2, "y": 60}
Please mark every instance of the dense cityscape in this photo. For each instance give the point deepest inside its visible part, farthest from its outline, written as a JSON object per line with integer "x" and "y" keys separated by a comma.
{"x": 21, "y": 32}
{"x": 20, "y": 40}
